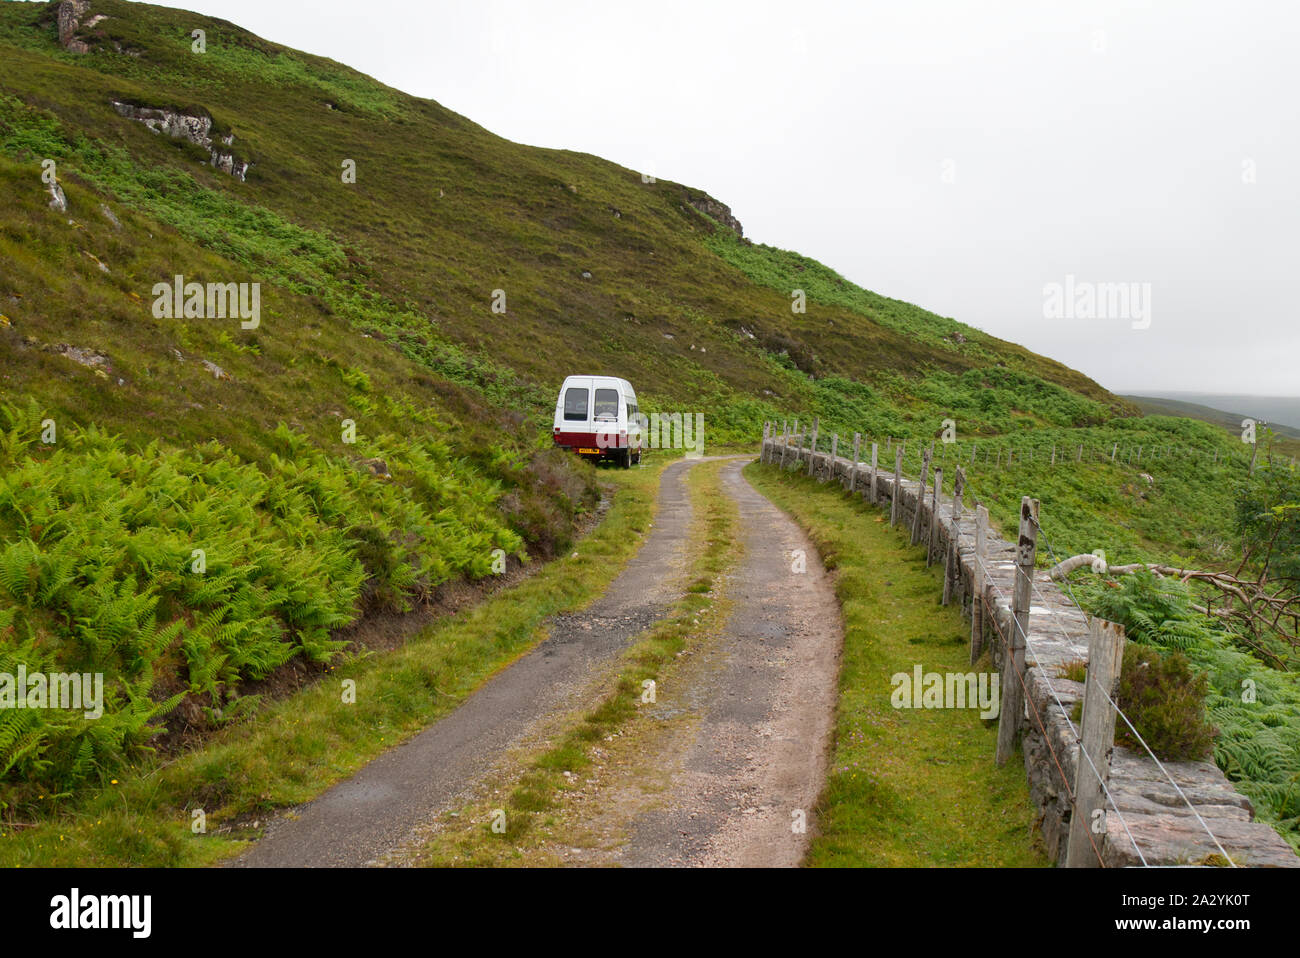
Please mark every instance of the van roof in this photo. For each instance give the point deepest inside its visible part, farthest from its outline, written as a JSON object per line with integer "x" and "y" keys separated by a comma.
{"x": 611, "y": 379}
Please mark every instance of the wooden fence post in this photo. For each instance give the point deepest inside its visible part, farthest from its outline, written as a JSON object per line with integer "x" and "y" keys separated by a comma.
{"x": 952, "y": 555}
{"x": 920, "y": 496}
{"x": 1097, "y": 739}
{"x": 875, "y": 451}
{"x": 973, "y": 447}
{"x": 934, "y": 518}
{"x": 857, "y": 452}
{"x": 1113, "y": 450}
{"x": 898, "y": 481}
{"x": 1013, "y": 695}
{"x": 762, "y": 449}
{"x": 977, "y": 600}
{"x": 835, "y": 447}
{"x": 950, "y": 566}
{"x": 812, "y": 451}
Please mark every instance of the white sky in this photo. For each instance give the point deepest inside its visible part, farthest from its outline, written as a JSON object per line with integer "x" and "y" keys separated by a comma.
{"x": 1101, "y": 139}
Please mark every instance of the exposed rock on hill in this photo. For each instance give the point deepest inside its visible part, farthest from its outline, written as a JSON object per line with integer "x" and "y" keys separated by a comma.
{"x": 71, "y": 29}
{"x": 194, "y": 127}
{"x": 718, "y": 211}
{"x": 58, "y": 202}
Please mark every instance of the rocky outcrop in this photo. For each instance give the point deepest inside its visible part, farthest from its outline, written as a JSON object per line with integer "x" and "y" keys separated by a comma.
{"x": 96, "y": 361}
{"x": 718, "y": 211}
{"x": 194, "y": 127}
{"x": 73, "y": 24}
{"x": 58, "y": 202}
{"x": 217, "y": 371}
{"x": 70, "y": 14}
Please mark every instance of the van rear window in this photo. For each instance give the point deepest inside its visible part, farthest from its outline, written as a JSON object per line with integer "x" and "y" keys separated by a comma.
{"x": 575, "y": 404}
{"x": 607, "y": 405}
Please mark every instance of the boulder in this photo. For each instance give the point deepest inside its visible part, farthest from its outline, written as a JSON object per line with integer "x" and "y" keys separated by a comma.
{"x": 217, "y": 371}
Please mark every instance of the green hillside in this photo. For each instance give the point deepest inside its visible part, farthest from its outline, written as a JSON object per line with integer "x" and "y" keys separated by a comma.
{"x": 442, "y": 213}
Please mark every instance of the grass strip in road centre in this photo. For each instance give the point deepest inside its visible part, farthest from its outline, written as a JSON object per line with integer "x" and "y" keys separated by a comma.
{"x": 530, "y": 820}
{"x": 294, "y": 749}
{"x": 906, "y": 787}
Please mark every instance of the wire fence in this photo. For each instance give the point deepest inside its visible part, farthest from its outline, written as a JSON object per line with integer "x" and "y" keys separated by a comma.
{"x": 1047, "y": 738}
{"x": 972, "y": 498}
{"x": 1051, "y": 613}
{"x": 1005, "y": 453}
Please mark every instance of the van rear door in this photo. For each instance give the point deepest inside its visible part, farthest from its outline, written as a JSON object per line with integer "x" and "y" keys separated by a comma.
{"x": 574, "y": 427}
{"x": 575, "y": 405}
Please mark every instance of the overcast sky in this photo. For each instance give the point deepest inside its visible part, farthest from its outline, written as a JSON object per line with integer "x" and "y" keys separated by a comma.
{"x": 956, "y": 155}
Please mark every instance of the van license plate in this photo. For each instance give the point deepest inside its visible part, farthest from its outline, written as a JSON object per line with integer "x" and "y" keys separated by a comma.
{"x": 589, "y": 452}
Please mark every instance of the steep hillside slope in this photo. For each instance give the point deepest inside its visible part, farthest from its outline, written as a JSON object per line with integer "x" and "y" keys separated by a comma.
{"x": 598, "y": 268}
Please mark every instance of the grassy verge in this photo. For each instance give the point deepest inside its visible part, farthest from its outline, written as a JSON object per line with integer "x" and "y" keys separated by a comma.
{"x": 906, "y": 787}
{"x": 296, "y": 748}
{"x": 533, "y": 817}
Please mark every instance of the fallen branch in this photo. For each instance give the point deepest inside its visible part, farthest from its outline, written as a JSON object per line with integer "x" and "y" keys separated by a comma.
{"x": 1064, "y": 568}
{"x": 1256, "y": 609}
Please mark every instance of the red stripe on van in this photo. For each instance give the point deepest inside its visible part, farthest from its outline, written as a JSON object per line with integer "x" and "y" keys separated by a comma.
{"x": 586, "y": 440}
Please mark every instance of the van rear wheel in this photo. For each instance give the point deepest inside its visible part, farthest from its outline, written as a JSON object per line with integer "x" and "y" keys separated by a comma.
{"x": 625, "y": 458}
